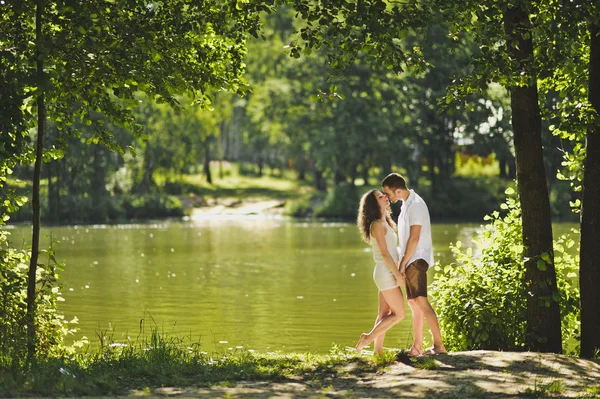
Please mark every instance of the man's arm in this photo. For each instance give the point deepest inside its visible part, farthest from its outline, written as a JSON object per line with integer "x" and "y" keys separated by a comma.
{"x": 411, "y": 245}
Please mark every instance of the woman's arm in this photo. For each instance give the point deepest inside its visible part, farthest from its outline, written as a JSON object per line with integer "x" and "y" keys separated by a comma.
{"x": 378, "y": 231}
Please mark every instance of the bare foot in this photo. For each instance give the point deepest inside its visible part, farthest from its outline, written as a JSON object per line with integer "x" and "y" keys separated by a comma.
{"x": 414, "y": 352}
{"x": 362, "y": 342}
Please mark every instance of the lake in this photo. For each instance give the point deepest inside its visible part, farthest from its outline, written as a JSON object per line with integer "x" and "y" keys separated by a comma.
{"x": 268, "y": 284}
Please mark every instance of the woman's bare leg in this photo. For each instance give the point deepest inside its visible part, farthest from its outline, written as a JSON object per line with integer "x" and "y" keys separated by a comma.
{"x": 382, "y": 311}
{"x": 418, "y": 322}
{"x": 395, "y": 300}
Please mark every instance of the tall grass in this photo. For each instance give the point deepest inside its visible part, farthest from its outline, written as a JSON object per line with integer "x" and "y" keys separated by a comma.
{"x": 159, "y": 359}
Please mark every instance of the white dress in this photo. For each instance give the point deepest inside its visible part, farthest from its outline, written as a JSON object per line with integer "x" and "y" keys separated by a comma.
{"x": 383, "y": 277}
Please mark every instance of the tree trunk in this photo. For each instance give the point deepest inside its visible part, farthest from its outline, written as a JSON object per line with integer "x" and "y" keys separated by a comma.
{"x": 68, "y": 178}
{"x": 512, "y": 168}
{"x": 51, "y": 189}
{"x": 319, "y": 180}
{"x": 300, "y": 166}
{"x": 589, "y": 266}
{"x": 98, "y": 180}
{"x": 146, "y": 182}
{"x": 338, "y": 177}
{"x": 209, "y": 179}
{"x": 386, "y": 167}
{"x": 365, "y": 174}
{"x": 260, "y": 164}
{"x": 57, "y": 185}
{"x": 431, "y": 161}
{"x": 223, "y": 127}
{"x": 35, "y": 202}
{"x": 502, "y": 164}
{"x": 543, "y": 314}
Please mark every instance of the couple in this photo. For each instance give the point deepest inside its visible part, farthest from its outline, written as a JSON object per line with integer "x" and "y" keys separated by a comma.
{"x": 393, "y": 270}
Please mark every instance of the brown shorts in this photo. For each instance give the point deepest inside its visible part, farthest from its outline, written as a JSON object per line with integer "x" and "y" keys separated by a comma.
{"x": 416, "y": 279}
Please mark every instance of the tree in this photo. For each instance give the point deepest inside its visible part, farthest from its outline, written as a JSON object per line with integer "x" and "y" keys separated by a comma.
{"x": 589, "y": 269}
{"x": 85, "y": 59}
{"x": 543, "y": 313}
{"x": 572, "y": 46}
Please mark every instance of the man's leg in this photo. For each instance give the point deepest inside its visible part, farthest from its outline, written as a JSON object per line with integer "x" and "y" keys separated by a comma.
{"x": 416, "y": 288}
{"x": 417, "y": 319}
{"x": 432, "y": 321}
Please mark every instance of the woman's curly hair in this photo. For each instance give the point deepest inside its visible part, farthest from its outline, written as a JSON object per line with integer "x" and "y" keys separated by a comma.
{"x": 368, "y": 211}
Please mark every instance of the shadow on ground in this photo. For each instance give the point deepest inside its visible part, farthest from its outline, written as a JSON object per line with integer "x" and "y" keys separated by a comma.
{"x": 476, "y": 374}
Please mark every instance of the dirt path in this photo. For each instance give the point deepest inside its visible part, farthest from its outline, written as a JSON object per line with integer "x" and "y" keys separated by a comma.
{"x": 476, "y": 374}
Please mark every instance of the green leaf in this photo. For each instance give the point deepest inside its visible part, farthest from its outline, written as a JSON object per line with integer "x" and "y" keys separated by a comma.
{"x": 541, "y": 265}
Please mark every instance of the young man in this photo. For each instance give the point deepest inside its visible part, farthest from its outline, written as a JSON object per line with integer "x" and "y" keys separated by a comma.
{"x": 416, "y": 254}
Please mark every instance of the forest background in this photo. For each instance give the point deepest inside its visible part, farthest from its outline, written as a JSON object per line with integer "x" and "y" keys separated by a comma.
{"x": 460, "y": 159}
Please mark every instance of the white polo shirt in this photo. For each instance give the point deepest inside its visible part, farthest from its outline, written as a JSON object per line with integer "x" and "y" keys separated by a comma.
{"x": 414, "y": 211}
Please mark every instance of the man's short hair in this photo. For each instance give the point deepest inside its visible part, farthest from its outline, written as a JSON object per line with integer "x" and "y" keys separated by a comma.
{"x": 395, "y": 181}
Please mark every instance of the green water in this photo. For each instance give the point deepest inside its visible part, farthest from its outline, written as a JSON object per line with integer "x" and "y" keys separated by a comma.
{"x": 264, "y": 284}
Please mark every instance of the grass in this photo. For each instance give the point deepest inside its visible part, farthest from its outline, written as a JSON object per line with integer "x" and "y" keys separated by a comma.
{"x": 421, "y": 363}
{"x": 161, "y": 360}
{"x": 282, "y": 185}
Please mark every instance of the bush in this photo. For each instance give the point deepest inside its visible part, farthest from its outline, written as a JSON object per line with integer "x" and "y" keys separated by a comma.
{"x": 303, "y": 206}
{"x": 481, "y": 296}
{"x": 153, "y": 205}
{"x": 50, "y": 324}
{"x": 340, "y": 202}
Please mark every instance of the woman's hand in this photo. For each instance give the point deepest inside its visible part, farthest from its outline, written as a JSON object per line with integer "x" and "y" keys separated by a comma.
{"x": 402, "y": 270}
{"x": 399, "y": 280}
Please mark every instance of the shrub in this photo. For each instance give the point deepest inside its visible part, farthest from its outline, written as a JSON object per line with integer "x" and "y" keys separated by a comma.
{"x": 50, "y": 324}
{"x": 481, "y": 296}
{"x": 303, "y": 206}
{"x": 340, "y": 202}
{"x": 153, "y": 205}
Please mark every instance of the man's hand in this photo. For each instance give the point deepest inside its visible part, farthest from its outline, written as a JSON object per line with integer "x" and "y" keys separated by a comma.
{"x": 402, "y": 270}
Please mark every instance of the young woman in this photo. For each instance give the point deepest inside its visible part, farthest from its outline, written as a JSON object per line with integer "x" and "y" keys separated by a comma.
{"x": 376, "y": 227}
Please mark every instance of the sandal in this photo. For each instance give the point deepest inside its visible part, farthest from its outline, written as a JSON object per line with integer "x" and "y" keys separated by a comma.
{"x": 433, "y": 351}
{"x": 410, "y": 352}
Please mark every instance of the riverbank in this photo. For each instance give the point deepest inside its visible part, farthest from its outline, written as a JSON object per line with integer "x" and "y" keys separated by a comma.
{"x": 474, "y": 374}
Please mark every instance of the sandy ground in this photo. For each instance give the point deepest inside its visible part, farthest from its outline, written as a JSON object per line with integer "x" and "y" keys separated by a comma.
{"x": 476, "y": 374}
